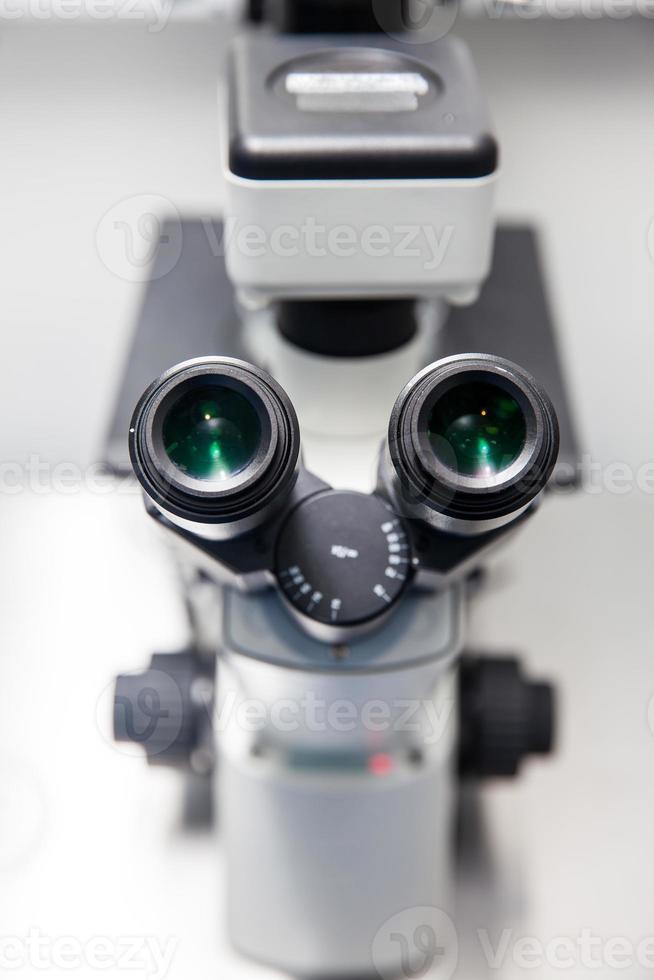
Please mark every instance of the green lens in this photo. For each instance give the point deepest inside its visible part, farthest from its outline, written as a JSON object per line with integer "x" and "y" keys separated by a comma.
{"x": 477, "y": 429}
{"x": 211, "y": 432}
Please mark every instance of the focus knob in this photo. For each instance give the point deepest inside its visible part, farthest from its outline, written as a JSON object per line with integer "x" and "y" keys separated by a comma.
{"x": 166, "y": 709}
{"x": 504, "y": 717}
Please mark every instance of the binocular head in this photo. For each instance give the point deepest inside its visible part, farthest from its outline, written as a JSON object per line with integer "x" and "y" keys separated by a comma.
{"x": 472, "y": 441}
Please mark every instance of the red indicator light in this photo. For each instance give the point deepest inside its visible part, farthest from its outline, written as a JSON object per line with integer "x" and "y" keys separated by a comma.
{"x": 380, "y": 764}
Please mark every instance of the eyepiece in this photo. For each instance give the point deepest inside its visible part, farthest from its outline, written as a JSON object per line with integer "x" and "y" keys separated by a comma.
{"x": 477, "y": 428}
{"x": 215, "y": 443}
{"x": 211, "y": 432}
{"x": 472, "y": 441}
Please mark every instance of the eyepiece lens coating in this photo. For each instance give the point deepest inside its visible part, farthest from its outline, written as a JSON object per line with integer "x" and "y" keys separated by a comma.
{"x": 211, "y": 432}
{"x": 477, "y": 429}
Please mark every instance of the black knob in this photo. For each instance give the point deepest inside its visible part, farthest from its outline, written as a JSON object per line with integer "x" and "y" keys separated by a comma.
{"x": 504, "y": 717}
{"x": 166, "y": 709}
{"x": 343, "y": 558}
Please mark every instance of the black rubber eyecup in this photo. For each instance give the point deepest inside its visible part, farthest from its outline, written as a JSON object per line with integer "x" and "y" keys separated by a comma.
{"x": 427, "y": 481}
{"x": 267, "y": 475}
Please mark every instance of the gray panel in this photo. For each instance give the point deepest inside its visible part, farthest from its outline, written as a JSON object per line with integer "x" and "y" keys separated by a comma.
{"x": 424, "y": 627}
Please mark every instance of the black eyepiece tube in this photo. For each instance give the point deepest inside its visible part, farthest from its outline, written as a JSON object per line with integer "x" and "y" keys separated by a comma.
{"x": 215, "y": 444}
{"x": 472, "y": 441}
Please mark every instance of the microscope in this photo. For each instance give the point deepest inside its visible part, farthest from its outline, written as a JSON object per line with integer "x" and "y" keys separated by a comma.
{"x": 332, "y": 493}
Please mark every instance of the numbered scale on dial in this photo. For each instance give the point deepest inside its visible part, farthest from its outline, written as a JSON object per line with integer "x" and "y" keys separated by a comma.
{"x": 343, "y": 558}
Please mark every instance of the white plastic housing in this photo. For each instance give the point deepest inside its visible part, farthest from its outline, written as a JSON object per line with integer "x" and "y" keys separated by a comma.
{"x": 294, "y": 238}
{"x": 321, "y": 856}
